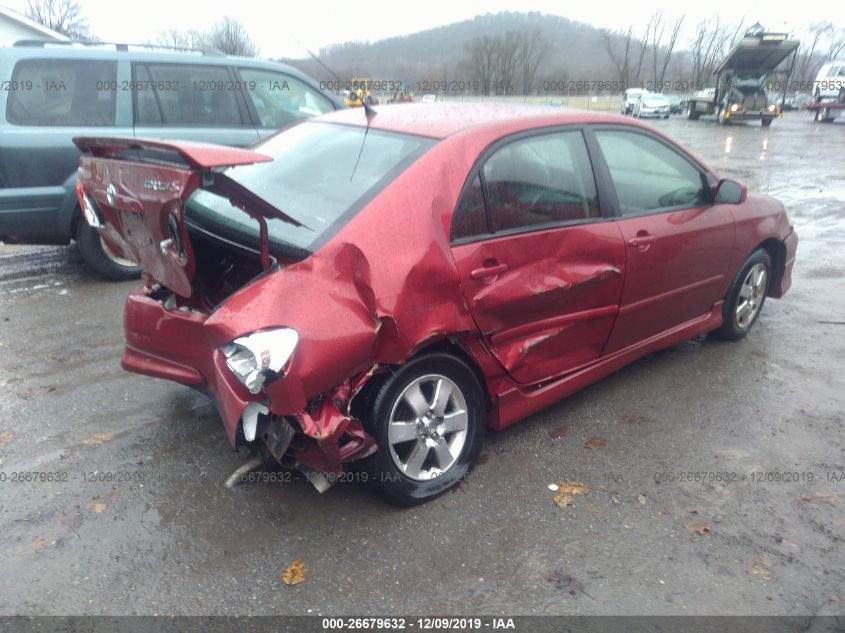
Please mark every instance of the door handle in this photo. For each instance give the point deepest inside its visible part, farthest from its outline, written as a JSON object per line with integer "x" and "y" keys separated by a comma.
{"x": 490, "y": 270}
{"x": 642, "y": 242}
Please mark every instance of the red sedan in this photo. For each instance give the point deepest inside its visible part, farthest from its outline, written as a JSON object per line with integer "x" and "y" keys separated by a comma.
{"x": 382, "y": 287}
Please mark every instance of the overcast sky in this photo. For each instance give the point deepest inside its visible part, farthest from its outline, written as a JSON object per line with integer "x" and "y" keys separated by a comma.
{"x": 274, "y": 26}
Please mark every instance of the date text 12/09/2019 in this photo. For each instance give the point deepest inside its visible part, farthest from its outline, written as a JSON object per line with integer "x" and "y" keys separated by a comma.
{"x": 434, "y": 623}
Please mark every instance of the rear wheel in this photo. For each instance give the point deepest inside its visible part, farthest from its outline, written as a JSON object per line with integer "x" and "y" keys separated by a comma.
{"x": 428, "y": 419}
{"x": 101, "y": 258}
{"x": 746, "y": 296}
{"x": 690, "y": 112}
{"x": 767, "y": 122}
{"x": 720, "y": 116}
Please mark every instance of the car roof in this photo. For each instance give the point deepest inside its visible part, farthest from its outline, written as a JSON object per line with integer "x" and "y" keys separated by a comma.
{"x": 140, "y": 52}
{"x": 440, "y": 120}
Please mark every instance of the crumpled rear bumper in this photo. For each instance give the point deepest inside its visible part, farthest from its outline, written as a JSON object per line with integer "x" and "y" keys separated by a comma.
{"x": 173, "y": 344}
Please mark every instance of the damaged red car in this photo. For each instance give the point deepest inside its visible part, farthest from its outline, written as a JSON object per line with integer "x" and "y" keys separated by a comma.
{"x": 381, "y": 288}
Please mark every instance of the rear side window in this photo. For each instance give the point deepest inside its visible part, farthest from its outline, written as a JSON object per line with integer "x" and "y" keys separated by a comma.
{"x": 280, "y": 99}
{"x": 539, "y": 180}
{"x": 60, "y": 92}
{"x": 186, "y": 95}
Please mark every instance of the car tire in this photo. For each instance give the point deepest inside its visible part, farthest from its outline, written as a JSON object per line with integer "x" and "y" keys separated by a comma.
{"x": 746, "y": 297}
{"x": 767, "y": 122}
{"x": 720, "y": 116}
{"x": 100, "y": 259}
{"x": 407, "y": 469}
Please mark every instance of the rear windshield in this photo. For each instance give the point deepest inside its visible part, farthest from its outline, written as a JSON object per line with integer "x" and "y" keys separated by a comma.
{"x": 321, "y": 175}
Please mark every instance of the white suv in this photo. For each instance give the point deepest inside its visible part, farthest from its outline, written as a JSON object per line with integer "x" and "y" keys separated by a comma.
{"x": 830, "y": 82}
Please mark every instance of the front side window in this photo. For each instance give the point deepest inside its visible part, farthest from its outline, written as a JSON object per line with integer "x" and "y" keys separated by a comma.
{"x": 59, "y": 92}
{"x": 281, "y": 99}
{"x": 648, "y": 175}
{"x": 544, "y": 179}
{"x": 186, "y": 94}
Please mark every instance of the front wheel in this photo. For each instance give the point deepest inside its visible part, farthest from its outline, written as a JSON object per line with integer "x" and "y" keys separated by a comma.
{"x": 101, "y": 258}
{"x": 428, "y": 419}
{"x": 746, "y": 297}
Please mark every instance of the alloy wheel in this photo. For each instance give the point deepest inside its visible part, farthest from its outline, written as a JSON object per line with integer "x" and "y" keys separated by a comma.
{"x": 428, "y": 426}
{"x": 751, "y": 295}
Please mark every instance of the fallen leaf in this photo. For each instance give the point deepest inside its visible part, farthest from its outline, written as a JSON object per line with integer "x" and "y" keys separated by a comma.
{"x": 761, "y": 566}
{"x": 559, "y": 432}
{"x": 38, "y": 544}
{"x": 595, "y": 442}
{"x": 98, "y": 506}
{"x": 6, "y": 437}
{"x": 295, "y": 573}
{"x": 641, "y": 498}
{"x": 98, "y": 438}
{"x": 566, "y": 490}
{"x": 825, "y": 497}
{"x": 697, "y": 527}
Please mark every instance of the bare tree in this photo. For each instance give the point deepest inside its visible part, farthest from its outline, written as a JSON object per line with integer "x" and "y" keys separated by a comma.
{"x": 670, "y": 47}
{"x": 709, "y": 45}
{"x": 483, "y": 53}
{"x": 643, "y": 48}
{"x": 837, "y": 43}
{"x": 507, "y": 61}
{"x": 230, "y": 37}
{"x": 533, "y": 47}
{"x": 62, "y": 16}
{"x": 620, "y": 58}
{"x": 183, "y": 39}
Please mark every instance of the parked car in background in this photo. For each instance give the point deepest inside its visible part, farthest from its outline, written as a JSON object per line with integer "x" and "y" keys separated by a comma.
{"x": 540, "y": 251}
{"x": 651, "y": 104}
{"x": 674, "y": 103}
{"x": 428, "y": 98}
{"x": 629, "y": 100}
{"x": 59, "y": 90}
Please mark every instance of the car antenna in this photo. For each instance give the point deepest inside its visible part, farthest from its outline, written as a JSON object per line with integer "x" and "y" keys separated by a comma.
{"x": 369, "y": 112}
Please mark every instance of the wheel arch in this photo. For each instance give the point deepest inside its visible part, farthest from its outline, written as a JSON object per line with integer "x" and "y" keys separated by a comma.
{"x": 777, "y": 252}
{"x": 363, "y": 399}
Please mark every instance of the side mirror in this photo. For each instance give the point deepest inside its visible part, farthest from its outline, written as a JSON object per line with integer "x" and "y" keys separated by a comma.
{"x": 731, "y": 192}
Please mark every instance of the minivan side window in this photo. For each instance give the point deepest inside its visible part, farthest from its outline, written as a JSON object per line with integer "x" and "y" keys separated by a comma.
{"x": 60, "y": 92}
{"x": 545, "y": 179}
{"x": 648, "y": 175}
{"x": 281, "y": 99}
{"x": 185, "y": 94}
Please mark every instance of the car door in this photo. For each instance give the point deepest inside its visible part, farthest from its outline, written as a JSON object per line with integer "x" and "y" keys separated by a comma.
{"x": 678, "y": 243}
{"x": 278, "y": 99}
{"x": 191, "y": 102}
{"x": 541, "y": 269}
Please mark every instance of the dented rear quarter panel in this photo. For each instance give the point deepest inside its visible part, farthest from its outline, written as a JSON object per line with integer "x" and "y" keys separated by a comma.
{"x": 382, "y": 288}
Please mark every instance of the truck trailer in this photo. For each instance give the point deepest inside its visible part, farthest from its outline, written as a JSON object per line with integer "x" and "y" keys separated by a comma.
{"x": 740, "y": 91}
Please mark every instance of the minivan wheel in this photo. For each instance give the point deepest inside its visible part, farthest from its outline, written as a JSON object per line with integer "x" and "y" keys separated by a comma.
{"x": 101, "y": 258}
{"x": 746, "y": 297}
{"x": 428, "y": 420}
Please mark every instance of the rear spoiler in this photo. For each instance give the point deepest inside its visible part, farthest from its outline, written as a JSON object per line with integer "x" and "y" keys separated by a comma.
{"x": 194, "y": 155}
{"x": 199, "y": 157}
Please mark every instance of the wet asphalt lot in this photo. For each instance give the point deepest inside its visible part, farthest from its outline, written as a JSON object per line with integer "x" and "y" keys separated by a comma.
{"x": 646, "y": 539}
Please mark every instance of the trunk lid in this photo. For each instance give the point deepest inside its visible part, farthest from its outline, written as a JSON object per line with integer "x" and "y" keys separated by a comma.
{"x": 136, "y": 189}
